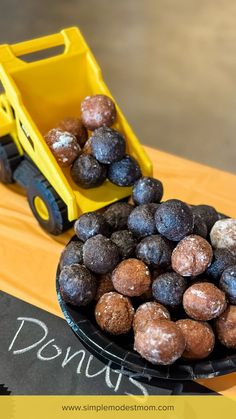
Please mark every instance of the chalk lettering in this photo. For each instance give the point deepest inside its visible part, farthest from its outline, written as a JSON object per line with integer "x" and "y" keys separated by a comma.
{"x": 122, "y": 372}
{"x": 28, "y": 348}
{"x": 139, "y": 386}
{"x": 106, "y": 371}
{"x": 68, "y": 358}
{"x": 49, "y": 358}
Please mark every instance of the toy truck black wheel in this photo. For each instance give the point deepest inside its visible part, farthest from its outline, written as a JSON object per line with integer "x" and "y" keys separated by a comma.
{"x": 47, "y": 207}
{"x": 9, "y": 159}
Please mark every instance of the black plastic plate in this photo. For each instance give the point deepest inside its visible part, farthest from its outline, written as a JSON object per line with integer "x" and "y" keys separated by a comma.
{"x": 119, "y": 351}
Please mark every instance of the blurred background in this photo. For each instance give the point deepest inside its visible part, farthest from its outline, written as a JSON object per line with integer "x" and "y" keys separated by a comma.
{"x": 171, "y": 65}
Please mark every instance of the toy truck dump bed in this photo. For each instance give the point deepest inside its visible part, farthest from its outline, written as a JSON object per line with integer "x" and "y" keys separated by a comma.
{"x": 37, "y": 95}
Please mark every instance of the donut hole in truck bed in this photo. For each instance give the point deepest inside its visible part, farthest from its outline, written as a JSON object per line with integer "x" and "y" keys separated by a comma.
{"x": 53, "y": 89}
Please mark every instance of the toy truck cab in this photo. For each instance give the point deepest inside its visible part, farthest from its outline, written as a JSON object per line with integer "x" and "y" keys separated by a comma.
{"x": 37, "y": 95}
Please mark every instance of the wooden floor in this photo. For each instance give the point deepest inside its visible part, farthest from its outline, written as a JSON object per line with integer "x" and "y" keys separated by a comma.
{"x": 171, "y": 65}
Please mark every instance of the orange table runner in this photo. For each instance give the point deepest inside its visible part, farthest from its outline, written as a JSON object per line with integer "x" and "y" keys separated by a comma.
{"x": 29, "y": 257}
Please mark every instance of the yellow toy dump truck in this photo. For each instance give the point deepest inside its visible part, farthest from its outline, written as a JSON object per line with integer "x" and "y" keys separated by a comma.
{"x": 36, "y": 95}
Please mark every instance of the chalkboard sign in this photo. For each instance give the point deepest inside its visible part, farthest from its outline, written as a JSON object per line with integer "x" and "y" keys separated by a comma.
{"x": 39, "y": 354}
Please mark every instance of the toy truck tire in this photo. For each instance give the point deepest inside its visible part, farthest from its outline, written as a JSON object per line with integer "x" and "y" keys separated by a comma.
{"x": 47, "y": 207}
{"x": 9, "y": 159}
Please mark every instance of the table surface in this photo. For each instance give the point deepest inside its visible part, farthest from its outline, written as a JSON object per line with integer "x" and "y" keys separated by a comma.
{"x": 29, "y": 256}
